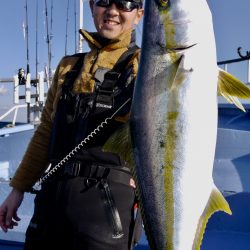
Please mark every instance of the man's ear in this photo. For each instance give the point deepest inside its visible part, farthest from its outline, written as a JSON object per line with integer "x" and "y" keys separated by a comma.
{"x": 139, "y": 16}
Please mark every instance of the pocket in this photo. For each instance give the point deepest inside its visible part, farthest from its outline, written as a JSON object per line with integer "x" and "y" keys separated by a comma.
{"x": 112, "y": 210}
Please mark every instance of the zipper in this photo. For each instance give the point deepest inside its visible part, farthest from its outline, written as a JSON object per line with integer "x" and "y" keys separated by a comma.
{"x": 112, "y": 210}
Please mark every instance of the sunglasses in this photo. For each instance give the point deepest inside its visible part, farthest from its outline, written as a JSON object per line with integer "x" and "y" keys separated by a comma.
{"x": 120, "y": 4}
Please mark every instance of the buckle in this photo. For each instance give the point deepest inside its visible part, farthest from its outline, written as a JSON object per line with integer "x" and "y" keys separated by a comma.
{"x": 72, "y": 169}
{"x": 98, "y": 172}
{"x": 90, "y": 182}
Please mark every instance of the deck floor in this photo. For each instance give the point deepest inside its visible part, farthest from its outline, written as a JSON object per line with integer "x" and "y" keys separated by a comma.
{"x": 213, "y": 240}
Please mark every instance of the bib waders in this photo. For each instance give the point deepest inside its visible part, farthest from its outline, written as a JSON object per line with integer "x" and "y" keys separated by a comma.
{"x": 87, "y": 204}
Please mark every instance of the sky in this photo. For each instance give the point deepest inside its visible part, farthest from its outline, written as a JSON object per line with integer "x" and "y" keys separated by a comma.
{"x": 231, "y": 21}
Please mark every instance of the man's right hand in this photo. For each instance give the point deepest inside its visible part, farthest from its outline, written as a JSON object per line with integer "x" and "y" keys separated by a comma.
{"x": 8, "y": 210}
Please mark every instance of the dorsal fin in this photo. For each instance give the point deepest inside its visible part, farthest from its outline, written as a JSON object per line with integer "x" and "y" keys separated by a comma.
{"x": 231, "y": 88}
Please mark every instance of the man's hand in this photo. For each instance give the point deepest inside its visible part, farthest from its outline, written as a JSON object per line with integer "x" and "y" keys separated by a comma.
{"x": 8, "y": 210}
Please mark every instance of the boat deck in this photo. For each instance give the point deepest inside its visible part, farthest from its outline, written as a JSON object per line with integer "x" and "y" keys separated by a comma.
{"x": 231, "y": 175}
{"x": 223, "y": 232}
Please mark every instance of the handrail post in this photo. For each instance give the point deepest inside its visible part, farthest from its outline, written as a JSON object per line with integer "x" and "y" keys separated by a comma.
{"x": 28, "y": 95}
{"x": 41, "y": 87}
{"x": 15, "y": 116}
{"x": 16, "y": 90}
{"x": 225, "y": 67}
{"x": 248, "y": 71}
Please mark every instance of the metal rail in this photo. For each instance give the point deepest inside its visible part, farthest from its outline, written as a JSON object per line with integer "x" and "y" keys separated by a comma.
{"x": 27, "y": 83}
{"x": 13, "y": 110}
{"x": 240, "y": 59}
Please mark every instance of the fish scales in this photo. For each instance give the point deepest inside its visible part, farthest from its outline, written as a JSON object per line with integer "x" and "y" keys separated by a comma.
{"x": 173, "y": 139}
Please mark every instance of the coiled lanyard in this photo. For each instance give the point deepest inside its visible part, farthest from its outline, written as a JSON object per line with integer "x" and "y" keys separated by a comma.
{"x": 66, "y": 158}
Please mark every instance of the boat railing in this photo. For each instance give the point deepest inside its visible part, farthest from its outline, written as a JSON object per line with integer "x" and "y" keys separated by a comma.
{"x": 225, "y": 64}
{"x": 235, "y": 66}
{"x": 32, "y": 107}
{"x": 14, "y": 110}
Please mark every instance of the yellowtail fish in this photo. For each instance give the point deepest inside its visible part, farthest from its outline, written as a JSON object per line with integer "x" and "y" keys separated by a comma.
{"x": 173, "y": 125}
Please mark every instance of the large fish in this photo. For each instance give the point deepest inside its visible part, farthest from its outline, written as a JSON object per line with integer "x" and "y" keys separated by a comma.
{"x": 173, "y": 123}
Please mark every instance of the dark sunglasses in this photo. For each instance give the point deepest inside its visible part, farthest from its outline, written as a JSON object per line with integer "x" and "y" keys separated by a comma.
{"x": 120, "y": 4}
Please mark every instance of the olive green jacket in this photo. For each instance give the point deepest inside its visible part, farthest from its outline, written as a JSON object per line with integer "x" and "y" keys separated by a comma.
{"x": 35, "y": 160}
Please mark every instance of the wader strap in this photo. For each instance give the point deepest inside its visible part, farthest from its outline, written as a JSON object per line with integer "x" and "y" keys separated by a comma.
{"x": 117, "y": 174}
{"x": 125, "y": 58}
{"x": 72, "y": 74}
{"x": 61, "y": 131}
{"x": 105, "y": 90}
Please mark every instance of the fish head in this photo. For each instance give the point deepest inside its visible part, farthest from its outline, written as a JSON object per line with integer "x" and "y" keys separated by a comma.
{"x": 176, "y": 24}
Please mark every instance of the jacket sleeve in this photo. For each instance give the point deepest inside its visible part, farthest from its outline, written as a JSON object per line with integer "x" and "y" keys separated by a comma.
{"x": 35, "y": 159}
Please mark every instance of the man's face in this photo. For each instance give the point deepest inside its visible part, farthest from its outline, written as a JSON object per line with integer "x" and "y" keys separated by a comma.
{"x": 110, "y": 21}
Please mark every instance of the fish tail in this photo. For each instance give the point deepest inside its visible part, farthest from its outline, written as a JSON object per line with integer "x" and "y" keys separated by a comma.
{"x": 215, "y": 203}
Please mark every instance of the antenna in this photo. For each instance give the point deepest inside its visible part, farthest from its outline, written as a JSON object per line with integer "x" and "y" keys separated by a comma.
{"x": 75, "y": 27}
{"x": 36, "y": 39}
{"x": 48, "y": 40}
{"x": 80, "y": 25}
{"x": 66, "y": 33}
{"x": 27, "y": 37}
{"x": 51, "y": 36}
{"x": 27, "y": 55}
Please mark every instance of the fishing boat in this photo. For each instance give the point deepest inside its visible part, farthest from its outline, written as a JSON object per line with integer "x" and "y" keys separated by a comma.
{"x": 231, "y": 175}
{"x": 231, "y": 166}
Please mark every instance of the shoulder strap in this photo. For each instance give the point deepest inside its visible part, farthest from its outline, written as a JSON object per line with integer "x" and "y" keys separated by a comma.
{"x": 72, "y": 74}
{"x": 104, "y": 99}
{"x": 112, "y": 76}
{"x": 125, "y": 58}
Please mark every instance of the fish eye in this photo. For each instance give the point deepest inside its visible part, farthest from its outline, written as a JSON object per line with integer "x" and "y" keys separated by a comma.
{"x": 163, "y": 3}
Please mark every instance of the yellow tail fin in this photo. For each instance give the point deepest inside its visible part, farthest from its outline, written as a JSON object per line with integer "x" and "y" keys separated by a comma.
{"x": 215, "y": 203}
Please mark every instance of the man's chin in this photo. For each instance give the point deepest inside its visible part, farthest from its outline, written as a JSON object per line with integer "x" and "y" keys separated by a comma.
{"x": 110, "y": 34}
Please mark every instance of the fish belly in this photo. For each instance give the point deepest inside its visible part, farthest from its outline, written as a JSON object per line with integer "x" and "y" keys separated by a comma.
{"x": 174, "y": 137}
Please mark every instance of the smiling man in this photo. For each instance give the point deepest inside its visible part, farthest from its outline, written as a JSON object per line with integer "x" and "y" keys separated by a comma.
{"x": 123, "y": 16}
{"x": 88, "y": 201}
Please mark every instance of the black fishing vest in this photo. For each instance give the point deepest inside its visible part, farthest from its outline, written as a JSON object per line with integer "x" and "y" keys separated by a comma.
{"x": 78, "y": 115}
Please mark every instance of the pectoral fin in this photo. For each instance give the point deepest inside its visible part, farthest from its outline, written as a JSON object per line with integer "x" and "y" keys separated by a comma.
{"x": 215, "y": 203}
{"x": 232, "y": 88}
{"x": 120, "y": 143}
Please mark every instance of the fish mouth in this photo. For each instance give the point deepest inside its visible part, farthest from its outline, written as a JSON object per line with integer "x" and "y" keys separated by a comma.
{"x": 181, "y": 48}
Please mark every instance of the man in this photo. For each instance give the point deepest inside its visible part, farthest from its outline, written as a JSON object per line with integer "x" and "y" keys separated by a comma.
{"x": 87, "y": 202}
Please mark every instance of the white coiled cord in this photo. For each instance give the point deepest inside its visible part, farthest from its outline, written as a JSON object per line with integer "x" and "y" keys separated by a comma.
{"x": 80, "y": 145}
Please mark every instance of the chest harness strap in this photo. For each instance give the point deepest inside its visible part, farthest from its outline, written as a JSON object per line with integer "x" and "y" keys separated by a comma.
{"x": 110, "y": 82}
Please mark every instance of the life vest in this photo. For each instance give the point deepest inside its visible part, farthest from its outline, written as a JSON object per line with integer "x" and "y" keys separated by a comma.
{"x": 79, "y": 114}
